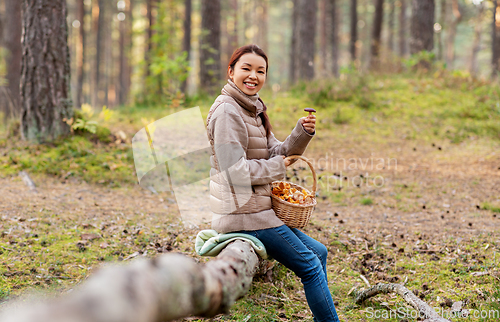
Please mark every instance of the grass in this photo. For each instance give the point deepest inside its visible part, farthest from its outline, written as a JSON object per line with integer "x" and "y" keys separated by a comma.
{"x": 42, "y": 249}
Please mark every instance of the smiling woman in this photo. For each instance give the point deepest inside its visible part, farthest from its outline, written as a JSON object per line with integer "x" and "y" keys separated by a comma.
{"x": 249, "y": 73}
{"x": 246, "y": 158}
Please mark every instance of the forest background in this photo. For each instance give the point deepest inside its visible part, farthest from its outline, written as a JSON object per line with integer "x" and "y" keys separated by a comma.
{"x": 410, "y": 81}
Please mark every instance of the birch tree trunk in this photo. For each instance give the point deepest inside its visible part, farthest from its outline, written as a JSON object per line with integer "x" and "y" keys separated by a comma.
{"x": 45, "y": 75}
{"x": 161, "y": 289}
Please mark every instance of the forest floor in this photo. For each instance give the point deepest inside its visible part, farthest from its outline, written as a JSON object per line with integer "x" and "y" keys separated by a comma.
{"x": 391, "y": 207}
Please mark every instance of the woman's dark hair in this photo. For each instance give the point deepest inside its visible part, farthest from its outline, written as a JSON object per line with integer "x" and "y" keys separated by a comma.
{"x": 235, "y": 57}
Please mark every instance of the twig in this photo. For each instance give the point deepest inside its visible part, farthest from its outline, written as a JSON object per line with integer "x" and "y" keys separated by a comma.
{"x": 418, "y": 304}
{"x": 27, "y": 180}
{"x": 365, "y": 280}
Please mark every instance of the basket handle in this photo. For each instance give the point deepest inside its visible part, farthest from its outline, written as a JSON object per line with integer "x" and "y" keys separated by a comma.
{"x": 315, "y": 180}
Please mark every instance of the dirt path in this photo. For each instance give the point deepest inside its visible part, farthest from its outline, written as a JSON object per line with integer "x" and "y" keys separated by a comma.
{"x": 431, "y": 191}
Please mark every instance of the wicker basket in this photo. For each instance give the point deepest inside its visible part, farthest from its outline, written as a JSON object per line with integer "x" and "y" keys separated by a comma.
{"x": 295, "y": 215}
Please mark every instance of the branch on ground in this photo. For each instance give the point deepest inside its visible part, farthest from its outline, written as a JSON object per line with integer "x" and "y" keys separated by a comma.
{"x": 165, "y": 288}
{"x": 412, "y": 299}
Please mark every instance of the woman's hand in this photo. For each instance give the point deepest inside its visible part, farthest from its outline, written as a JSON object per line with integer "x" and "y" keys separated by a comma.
{"x": 309, "y": 123}
{"x": 287, "y": 162}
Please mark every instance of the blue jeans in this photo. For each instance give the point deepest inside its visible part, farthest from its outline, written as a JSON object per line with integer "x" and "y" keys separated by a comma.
{"x": 306, "y": 257}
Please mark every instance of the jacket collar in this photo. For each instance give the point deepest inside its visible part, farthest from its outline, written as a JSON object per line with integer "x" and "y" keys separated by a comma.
{"x": 250, "y": 103}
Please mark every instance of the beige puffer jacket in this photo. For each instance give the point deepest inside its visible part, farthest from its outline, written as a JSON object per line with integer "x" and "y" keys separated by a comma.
{"x": 245, "y": 162}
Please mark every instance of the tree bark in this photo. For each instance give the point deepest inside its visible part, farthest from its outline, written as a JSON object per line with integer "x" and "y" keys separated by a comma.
{"x": 322, "y": 37}
{"x": 80, "y": 53}
{"x": 307, "y": 33}
{"x": 495, "y": 43}
{"x": 45, "y": 76}
{"x": 476, "y": 47}
{"x": 402, "y": 29}
{"x": 210, "y": 75}
{"x": 377, "y": 34}
{"x": 442, "y": 18}
{"x": 263, "y": 28}
{"x": 455, "y": 19}
{"x": 418, "y": 304}
{"x": 354, "y": 29}
{"x": 186, "y": 41}
{"x": 390, "y": 26}
{"x": 122, "y": 71}
{"x": 335, "y": 36}
{"x": 161, "y": 289}
{"x": 149, "y": 35}
{"x": 295, "y": 42}
{"x": 98, "y": 21}
{"x": 422, "y": 26}
{"x": 12, "y": 41}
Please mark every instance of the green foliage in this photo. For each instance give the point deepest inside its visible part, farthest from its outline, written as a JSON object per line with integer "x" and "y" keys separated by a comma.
{"x": 366, "y": 201}
{"x": 491, "y": 207}
{"x": 168, "y": 67}
{"x": 82, "y": 125}
{"x": 74, "y": 156}
{"x": 423, "y": 58}
{"x": 353, "y": 88}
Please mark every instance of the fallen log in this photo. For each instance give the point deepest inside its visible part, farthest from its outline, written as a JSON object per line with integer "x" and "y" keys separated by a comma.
{"x": 422, "y": 307}
{"x": 164, "y": 288}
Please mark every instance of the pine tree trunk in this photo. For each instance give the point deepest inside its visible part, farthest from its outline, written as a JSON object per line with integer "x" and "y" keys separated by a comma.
{"x": 129, "y": 47}
{"x": 210, "y": 75}
{"x": 295, "y": 42}
{"x": 402, "y": 29}
{"x": 13, "y": 33}
{"x": 322, "y": 37}
{"x": 377, "y": 34}
{"x": 45, "y": 76}
{"x": 186, "y": 40}
{"x": 442, "y": 18}
{"x": 354, "y": 29}
{"x": 263, "y": 28}
{"x": 123, "y": 58}
{"x": 98, "y": 18}
{"x": 80, "y": 53}
{"x": 455, "y": 19}
{"x": 390, "y": 26}
{"x": 495, "y": 48}
{"x": 476, "y": 47}
{"x": 422, "y": 26}
{"x": 149, "y": 35}
{"x": 335, "y": 36}
{"x": 233, "y": 34}
{"x": 307, "y": 33}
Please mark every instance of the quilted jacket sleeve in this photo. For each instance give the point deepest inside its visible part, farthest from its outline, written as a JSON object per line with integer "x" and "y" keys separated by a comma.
{"x": 295, "y": 144}
{"x": 230, "y": 141}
